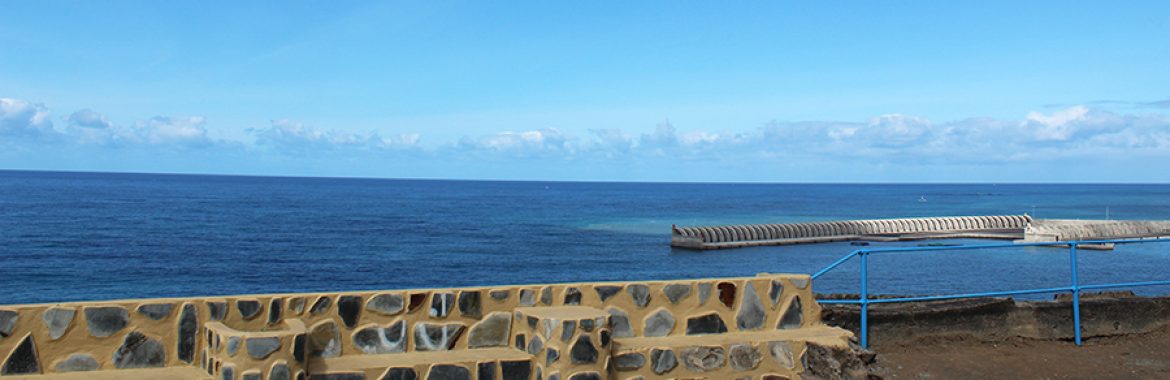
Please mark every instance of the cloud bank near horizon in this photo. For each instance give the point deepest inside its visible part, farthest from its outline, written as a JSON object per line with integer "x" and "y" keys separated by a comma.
{"x": 1061, "y": 137}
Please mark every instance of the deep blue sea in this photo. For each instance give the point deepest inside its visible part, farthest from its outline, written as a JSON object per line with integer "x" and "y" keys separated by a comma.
{"x": 88, "y": 236}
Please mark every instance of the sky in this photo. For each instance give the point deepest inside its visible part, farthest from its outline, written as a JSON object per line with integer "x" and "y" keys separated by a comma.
{"x": 875, "y": 91}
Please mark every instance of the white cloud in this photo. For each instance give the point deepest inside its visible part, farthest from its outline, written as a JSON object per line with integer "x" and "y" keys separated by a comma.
{"x": 25, "y": 120}
{"x": 536, "y": 143}
{"x": 89, "y": 119}
{"x": 292, "y": 137}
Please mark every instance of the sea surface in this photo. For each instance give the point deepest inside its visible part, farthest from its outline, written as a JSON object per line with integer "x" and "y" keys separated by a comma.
{"x": 90, "y": 236}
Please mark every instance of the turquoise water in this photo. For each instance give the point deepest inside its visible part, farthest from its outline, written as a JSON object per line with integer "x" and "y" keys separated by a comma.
{"x": 75, "y": 236}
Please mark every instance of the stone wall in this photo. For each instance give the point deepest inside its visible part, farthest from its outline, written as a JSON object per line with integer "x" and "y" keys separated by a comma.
{"x": 278, "y": 336}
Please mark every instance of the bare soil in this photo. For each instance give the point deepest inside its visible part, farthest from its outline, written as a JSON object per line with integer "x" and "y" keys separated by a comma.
{"x": 1135, "y": 356}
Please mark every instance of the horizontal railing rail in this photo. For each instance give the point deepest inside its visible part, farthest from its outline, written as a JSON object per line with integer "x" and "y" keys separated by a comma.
{"x": 1075, "y": 287}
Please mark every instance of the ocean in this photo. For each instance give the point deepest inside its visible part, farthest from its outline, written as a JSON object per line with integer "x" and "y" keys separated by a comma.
{"x": 91, "y": 236}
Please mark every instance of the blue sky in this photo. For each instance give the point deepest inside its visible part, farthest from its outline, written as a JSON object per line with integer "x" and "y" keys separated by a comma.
{"x": 889, "y": 91}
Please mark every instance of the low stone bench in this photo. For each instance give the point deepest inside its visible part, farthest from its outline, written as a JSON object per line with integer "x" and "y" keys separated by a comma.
{"x": 278, "y": 353}
{"x": 768, "y": 355}
{"x": 176, "y": 373}
{"x": 481, "y": 363}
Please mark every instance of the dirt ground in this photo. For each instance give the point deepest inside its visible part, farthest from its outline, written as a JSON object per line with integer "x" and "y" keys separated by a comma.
{"x": 1143, "y": 356}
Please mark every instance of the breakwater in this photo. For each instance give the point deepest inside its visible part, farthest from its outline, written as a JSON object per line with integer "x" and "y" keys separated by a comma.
{"x": 766, "y": 327}
{"x": 721, "y": 237}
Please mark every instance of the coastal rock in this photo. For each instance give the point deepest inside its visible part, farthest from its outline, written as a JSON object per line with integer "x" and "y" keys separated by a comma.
{"x": 57, "y": 321}
{"x": 776, "y": 292}
{"x": 280, "y": 371}
{"x": 23, "y": 359}
{"x": 726, "y": 293}
{"x": 470, "y": 304}
{"x": 782, "y": 354}
{"x": 260, "y": 348}
{"x": 400, "y": 373}
{"x": 349, "y": 308}
{"x": 156, "y": 311}
{"x": 604, "y": 292}
{"x": 7, "y": 322}
{"x": 572, "y": 296}
{"x": 492, "y": 331}
{"x": 325, "y": 339}
{"x": 188, "y": 328}
{"x": 583, "y": 351}
{"x": 103, "y": 321}
{"x": 434, "y": 337}
{"x": 744, "y": 357}
{"x": 676, "y": 292}
{"x": 702, "y": 358}
{"x": 500, "y": 295}
{"x": 441, "y": 304}
{"x": 381, "y": 340}
{"x": 630, "y": 362}
{"x": 751, "y": 311}
{"x": 659, "y": 324}
{"x": 516, "y": 370}
{"x": 140, "y": 351}
{"x": 704, "y": 293}
{"x": 386, "y": 304}
{"x": 77, "y": 363}
{"x": 619, "y": 323}
{"x": 248, "y": 308}
{"x": 794, "y": 316}
{"x": 321, "y": 305}
{"x": 449, "y": 372}
{"x": 527, "y": 297}
{"x": 275, "y": 309}
{"x": 706, "y": 324}
{"x": 217, "y": 310}
{"x": 640, "y": 293}
{"x": 662, "y": 360}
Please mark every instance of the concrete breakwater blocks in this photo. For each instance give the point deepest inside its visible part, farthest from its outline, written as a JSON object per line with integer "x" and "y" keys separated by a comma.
{"x": 758, "y": 327}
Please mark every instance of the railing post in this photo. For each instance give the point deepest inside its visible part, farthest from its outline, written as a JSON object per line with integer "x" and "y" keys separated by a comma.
{"x": 1076, "y": 293}
{"x": 864, "y": 298}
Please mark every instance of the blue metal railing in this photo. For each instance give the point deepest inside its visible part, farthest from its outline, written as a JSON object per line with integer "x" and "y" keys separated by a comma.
{"x": 1074, "y": 287}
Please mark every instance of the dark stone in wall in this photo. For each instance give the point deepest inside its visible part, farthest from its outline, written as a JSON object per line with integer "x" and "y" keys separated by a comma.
{"x": 662, "y": 360}
{"x": 520, "y": 344}
{"x": 251, "y": 376}
{"x": 386, "y": 304}
{"x": 217, "y": 310}
{"x": 604, "y": 338}
{"x": 7, "y": 322}
{"x": 701, "y": 358}
{"x": 585, "y": 376}
{"x": 229, "y": 373}
{"x": 139, "y": 351}
{"x": 604, "y": 292}
{"x": 248, "y": 308}
{"x": 416, "y": 301}
{"x": 500, "y": 295}
{"x": 299, "y": 348}
{"x": 535, "y": 345}
{"x": 382, "y": 340}
{"x": 57, "y": 321}
{"x": 630, "y": 362}
{"x": 233, "y": 345}
{"x": 188, "y": 327}
{"x": 403, "y": 373}
{"x": 106, "y": 320}
{"x": 321, "y": 305}
{"x": 726, "y": 293}
{"x": 469, "y": 304}
{"x": 441, "y": 304}
{"x": 583, "y": 351}
{"x": 532, "y": 322}
{"x": 551, "y": 356}
{"x": 23, "y": 359}
{"x": 280, "y": 372}
{"x": 434, "y": 337}
{"x": 156, "y": 311}
{"x": 568, "y": 328}
{"x": 587, "y": 324}
{"x": 338, "y": 376}
{"x": 521, "y": 370}
{"x": 777, "y": 290}
{"x": 77, "y": 363}
{"x": 546, "y": 295}
{"x": 527, "y": 297}
{"x": 751, "y": 311}
{"x": 704, "y": 293}
{"x": 260, "y": 348}
{"x": 492, "y": 331}
{"x": 706, "y": 324}
{"x": 640, "y": 293}
{"x": 676, "y": 292}
{"x": 449, "y": 372}
{"x": 349, "y": 308}
{"x": 296, "y": 305}
{"x": 572, "y": 296}
{"x": 487, "y": 371}
{"x": 792, "y": 317}
{"x": 744, "y": 357}
{"x": 619, "y": 322}
{"x": 275, "y": 308}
